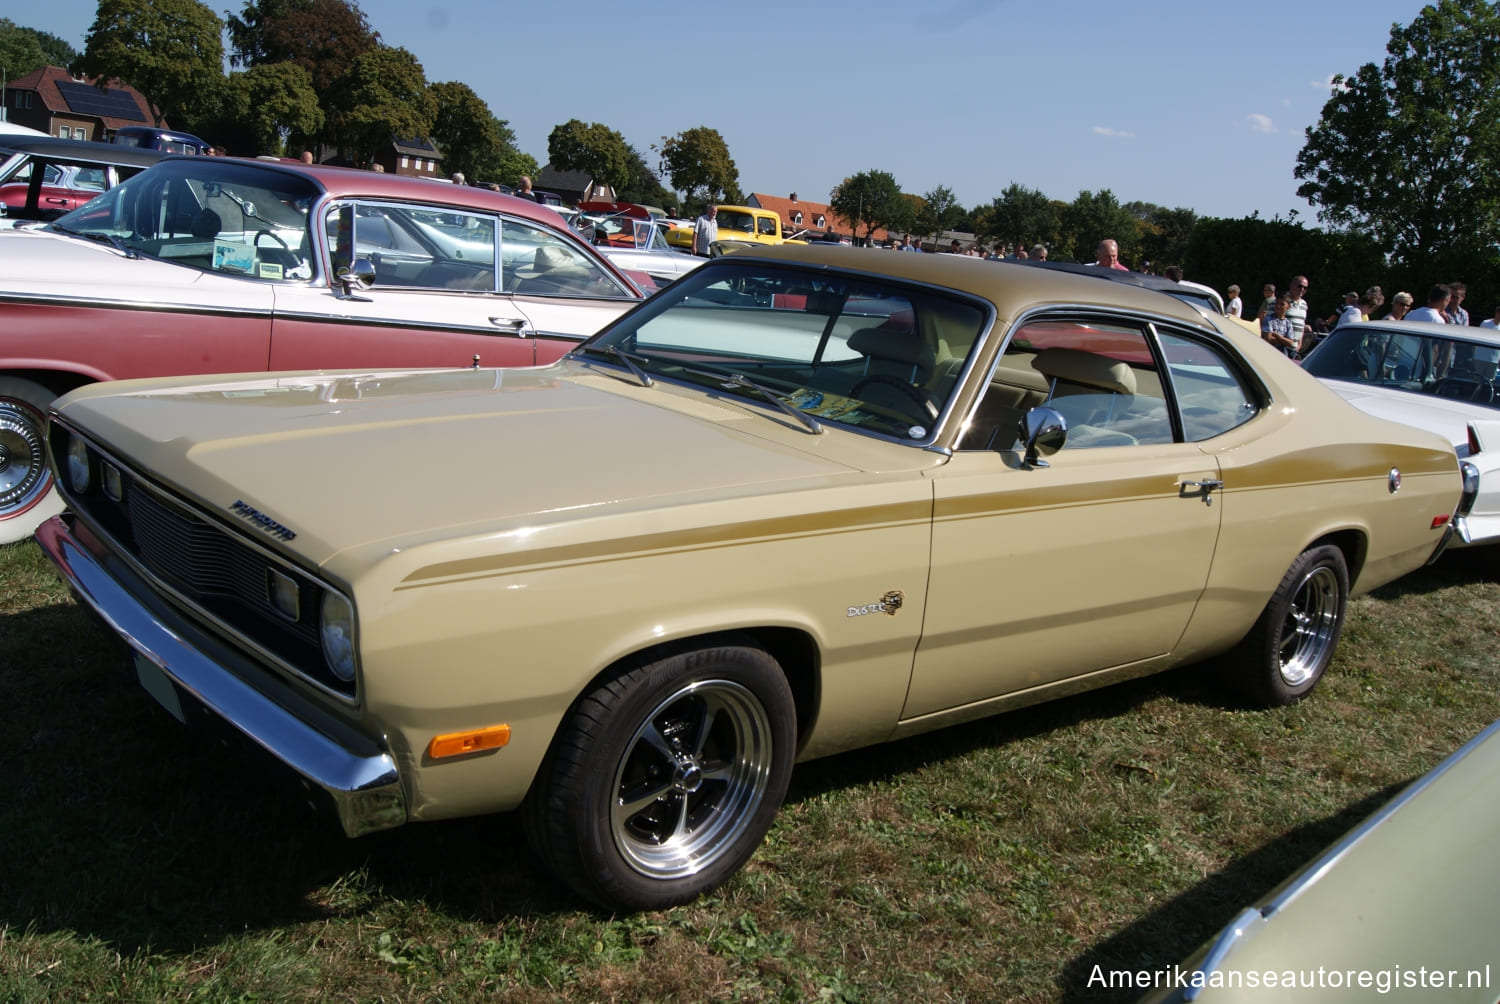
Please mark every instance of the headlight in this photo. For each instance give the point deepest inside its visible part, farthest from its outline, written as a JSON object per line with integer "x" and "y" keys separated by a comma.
{"x": 337, "y": 632}
{"x": 79, "y": 474}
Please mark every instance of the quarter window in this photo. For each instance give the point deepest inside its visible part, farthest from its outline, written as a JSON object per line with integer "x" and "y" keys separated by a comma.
{"x": 1211, "y": 395}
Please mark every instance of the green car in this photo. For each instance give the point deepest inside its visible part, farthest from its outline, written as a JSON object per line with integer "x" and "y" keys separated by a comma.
{"x": 1405, "y": 906}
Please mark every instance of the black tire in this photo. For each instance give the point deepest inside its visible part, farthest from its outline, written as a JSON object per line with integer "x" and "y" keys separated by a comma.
{"x": 1284, "y": 656}
{"x": 666, "y": 778}
{"x": 27, "y": 493}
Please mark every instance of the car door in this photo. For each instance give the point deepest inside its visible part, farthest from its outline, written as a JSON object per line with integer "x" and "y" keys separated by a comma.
{"x": 1095, "y": 559}
{"x": 438, "y": 298}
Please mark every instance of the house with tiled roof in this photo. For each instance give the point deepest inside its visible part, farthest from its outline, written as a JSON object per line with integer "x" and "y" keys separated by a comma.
{"x": 59, "y": 104}
{"x": 814, "y": 217}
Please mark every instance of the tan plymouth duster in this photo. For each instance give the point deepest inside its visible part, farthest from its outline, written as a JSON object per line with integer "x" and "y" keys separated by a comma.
{"x": 806, "y": 499}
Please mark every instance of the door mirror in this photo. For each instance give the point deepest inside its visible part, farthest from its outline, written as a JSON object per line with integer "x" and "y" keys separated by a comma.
{"x": 1043, "y": 432}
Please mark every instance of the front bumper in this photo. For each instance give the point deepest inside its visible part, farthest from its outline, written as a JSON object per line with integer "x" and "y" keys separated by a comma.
{"x": 358, "y": 776}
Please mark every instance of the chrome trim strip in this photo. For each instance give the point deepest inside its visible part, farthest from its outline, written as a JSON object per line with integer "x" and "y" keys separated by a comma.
{"x": 1223, "y": 945}
{"x": 153, "y": 306}
{"x": 365, "y": 788}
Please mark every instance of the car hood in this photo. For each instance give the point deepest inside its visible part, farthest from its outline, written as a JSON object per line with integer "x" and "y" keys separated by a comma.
{"x": 393, "y": 460}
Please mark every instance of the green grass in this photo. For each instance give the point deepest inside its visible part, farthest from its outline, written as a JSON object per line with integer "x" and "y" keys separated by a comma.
{"x": 996, "y": 861}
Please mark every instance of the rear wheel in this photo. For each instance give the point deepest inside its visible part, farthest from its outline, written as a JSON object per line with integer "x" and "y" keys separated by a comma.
{"x": 1284, "y": 656}
{"x": 27, "y": 493}
{"x": 666, "y": 778}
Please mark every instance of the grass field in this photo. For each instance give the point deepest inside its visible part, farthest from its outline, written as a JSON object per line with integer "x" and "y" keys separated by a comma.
{"x": 997, "y": 861}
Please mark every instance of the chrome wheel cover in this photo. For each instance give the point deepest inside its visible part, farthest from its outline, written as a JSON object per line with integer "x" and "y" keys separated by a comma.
{"x": 691, "y": 779}
{"x": 23, "y": 459}
{"x": 1308, "y": 630}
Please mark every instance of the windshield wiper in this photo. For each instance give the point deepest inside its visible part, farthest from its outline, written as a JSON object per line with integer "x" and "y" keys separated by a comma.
{"x": 779, "y": 400}
{"x": 110, "y": 239}
{"x": 625, "y": 358}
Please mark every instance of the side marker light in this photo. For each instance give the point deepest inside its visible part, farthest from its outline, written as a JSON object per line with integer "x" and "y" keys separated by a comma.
{"x": 459, "y": 743}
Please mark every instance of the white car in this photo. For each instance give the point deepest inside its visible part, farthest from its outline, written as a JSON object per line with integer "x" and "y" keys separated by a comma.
{"x": 1438, "y": 377}
{"x": 638, "y": 245}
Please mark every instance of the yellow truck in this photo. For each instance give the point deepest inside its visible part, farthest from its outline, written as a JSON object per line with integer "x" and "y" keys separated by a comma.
{"x": 759, "y": 226}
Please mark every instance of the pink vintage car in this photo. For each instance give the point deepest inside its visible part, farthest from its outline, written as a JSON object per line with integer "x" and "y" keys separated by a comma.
{"x": 220, "y": 265}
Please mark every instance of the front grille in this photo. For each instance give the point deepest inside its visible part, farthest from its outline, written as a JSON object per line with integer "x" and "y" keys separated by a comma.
{"x": 211, "y": 566}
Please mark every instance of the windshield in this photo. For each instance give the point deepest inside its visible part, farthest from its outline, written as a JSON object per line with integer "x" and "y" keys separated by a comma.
{"x": 1418, "y": 363}
{"x": 208, "y": 213}
{"x": 873, "y": 354}
{"x": 736, "y": 220}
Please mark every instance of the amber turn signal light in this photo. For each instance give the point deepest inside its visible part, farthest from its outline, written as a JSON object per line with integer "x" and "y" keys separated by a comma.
{"x": 459, "y": 743}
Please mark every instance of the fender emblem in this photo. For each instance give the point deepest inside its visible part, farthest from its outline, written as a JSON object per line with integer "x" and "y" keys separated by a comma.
{"x": 889, "y": 604}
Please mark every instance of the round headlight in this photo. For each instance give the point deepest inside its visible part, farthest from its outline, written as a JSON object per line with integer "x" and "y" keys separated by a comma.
{"x": 78, "y": 464}
{"x": 337, "y": 632}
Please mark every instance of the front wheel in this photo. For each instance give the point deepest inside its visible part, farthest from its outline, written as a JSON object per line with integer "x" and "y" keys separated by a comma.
{"x": 1283, "y": 657}
{"x": 666, "y": 778}
{"x": 27, "y": 494}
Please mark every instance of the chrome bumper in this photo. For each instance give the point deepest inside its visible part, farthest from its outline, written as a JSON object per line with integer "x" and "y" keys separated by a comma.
{"x": 362, "y": 783}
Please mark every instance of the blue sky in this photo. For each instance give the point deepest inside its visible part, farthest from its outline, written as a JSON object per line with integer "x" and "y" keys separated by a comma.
{"x": 1200, "y": 105}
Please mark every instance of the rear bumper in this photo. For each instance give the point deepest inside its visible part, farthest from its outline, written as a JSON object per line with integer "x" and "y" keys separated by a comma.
{"x": 358, "y": 776}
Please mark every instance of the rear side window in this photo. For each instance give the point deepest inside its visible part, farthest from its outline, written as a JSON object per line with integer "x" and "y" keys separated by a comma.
{"x": 1211, "y": 395}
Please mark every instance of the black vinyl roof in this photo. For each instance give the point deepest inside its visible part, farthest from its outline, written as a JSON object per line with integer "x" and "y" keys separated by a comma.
{"x": 77, "y": 151}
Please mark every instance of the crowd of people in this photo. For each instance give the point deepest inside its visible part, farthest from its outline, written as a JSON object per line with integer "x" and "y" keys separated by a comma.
{"x": 1284, "y": 323}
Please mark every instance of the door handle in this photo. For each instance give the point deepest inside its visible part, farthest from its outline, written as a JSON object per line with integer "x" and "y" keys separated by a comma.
{"x": 517, "y": 325}
{"x": 1204, "y": 489}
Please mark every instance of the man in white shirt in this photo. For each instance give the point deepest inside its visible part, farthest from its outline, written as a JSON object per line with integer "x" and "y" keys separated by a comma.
{"x": 706, "y": 231}
{"x": 1437, "y": 302}
{"x": 1296, "y": 312}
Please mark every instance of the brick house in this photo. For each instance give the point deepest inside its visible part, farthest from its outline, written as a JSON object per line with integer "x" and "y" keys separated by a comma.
{"x": 55, "y": 102}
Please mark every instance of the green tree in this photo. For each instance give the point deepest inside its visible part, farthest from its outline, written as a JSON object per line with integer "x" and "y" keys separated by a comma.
{"x": 1021, "y": 215}
{"x": 871, "y": 199}
{"x": 513, "y": 162}
{"x": 644, "y": 186}
{"x": 1092, "y": 218}
{"x": 384, "y": 94}
{"x": 503, "y": 162}
{"x": 465, "y": 130}
{"x": 594, "y": 149}
{"x": 324, "y": 37}
{"x": 264, "y": 105}
{"x": 172, "y": 51}
{"x": 698, "y": 164}
{"x": 20, "y": 53}
{"x": 1409, "y": 151}
{"x": 1163, "y": 232}
{"x": 937, "y": 211}
{"x": 23, "y": 50}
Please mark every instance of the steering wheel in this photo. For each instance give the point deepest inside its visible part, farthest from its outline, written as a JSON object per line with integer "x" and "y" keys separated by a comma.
{"x": 912, "y": 393}
{"x": 271, "y": 234}
{"x": 1458, "y": 388}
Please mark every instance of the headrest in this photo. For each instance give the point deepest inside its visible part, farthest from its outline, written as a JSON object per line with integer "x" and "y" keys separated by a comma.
{"x": 1087, "y": 368}
{"x": 551, "y": 261}
{"x": 893, "y": 344}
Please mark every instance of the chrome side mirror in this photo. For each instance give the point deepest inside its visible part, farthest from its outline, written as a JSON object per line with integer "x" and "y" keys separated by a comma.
{"x": 361, "y": 274}
{"x": 1043, "y": 432}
